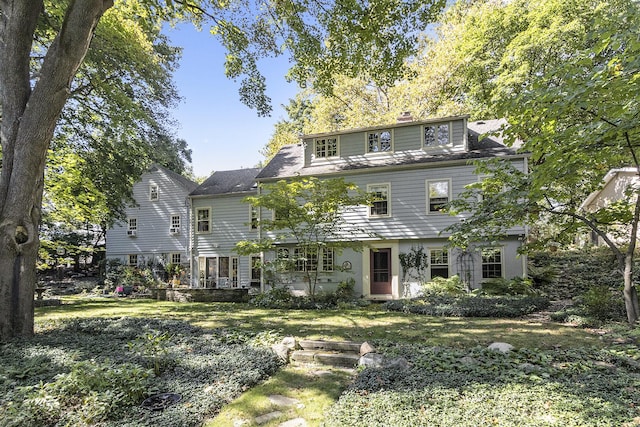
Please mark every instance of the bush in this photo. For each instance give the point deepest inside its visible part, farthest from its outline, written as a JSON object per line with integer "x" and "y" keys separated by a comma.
{"x": 444, "y": 286}
{"x": 282, "y": 298}
{"x": 470, "y": 306}
{"x": 501, "y": 286}
{"x": 600, "y": 303}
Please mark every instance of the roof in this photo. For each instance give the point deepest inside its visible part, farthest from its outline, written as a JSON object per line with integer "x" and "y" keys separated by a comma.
{"x": 613, "y": 173}
{"x": 228, "y": 182}
{"x": 183, "y": 181}
{"x": 289, "y": 161}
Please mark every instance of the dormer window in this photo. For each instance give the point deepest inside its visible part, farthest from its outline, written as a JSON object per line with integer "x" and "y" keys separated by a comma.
{"x": 326, "y": 147}
{"x": 153, "y": 192}
{"x": 437, "y": 135}
{"x": 379, "y": 141}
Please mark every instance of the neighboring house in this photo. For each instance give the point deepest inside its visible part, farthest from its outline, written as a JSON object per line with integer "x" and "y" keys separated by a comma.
{"x": 156, "y": 230}
{"x": 616, "y": 186}
{"x": 221, "y": 219}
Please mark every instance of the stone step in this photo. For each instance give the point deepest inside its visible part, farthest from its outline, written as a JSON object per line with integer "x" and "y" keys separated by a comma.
{"x": 323, "y": 357}
{"x": 331, "y": 346}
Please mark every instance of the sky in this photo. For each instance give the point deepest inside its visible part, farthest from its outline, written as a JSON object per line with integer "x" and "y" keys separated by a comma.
{"x": 222, "y": 133}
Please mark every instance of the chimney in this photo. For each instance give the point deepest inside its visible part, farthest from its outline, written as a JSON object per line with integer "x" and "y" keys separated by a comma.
{"x": 405, "y": 117}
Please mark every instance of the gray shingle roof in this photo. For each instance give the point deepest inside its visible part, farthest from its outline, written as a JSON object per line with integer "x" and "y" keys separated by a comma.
{"x": 185, "y": 182}
{"x": 289, "y": 161}
{"x": 228, "y": 182}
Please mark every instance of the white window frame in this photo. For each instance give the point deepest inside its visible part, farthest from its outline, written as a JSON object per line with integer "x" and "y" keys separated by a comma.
{"x": 378, "y": 149}
{"x": 436, "y": 128}
{"x": 500, "y": 251}
{"x": 428, "y": 196}
{"x": 446, "y": 253}
{"x": 132, "y": 260}
{"x": 372, "y": 188}
{"x": 154, "y": 192}
{"x": 176, "y": 258}
{"x": 132, "y": 224}
{"x": 208, "y": 220}
{"x": 174, "y": 226}
{"x": 328, "y": 259}
{"x": 254, "y": 217}
{"x": 325, "y": 146}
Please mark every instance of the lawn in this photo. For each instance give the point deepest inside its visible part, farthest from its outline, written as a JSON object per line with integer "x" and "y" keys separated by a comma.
{"x": 558, "y": 375}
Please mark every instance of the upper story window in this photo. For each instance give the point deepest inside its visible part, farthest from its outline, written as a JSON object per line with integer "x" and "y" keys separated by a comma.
{"x": 326, "y": 147}
{"x": 133, "y": 224}
{"x": 439, "y": 263}
{"x": 153, "y": 192}
{"x": 379, "y": 141}
{"x": 254, "y": 219}
{"x": 203, "y": 220}
{"x": 437, "y": 135}
{"x": 438, "y": 195}
{"x": 174, "y": 227}
{"x": 381, "y": 205}
{"x": 491, "y": 263}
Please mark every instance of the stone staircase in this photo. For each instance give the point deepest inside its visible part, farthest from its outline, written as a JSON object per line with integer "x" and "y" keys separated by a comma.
{"x": 344, "y": 354}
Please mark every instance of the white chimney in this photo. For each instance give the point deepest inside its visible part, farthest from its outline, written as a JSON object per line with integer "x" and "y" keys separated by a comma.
{"x": 405, "y": 117}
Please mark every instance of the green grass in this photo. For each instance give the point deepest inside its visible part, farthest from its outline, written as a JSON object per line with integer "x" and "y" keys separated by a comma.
{"x": 370, "y": 323}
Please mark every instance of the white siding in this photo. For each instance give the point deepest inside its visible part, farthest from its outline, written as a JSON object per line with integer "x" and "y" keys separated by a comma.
{"x": 153, "y": 239}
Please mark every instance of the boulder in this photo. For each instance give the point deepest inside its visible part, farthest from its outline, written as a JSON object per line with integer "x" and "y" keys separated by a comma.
{"x": 502, "y": 347}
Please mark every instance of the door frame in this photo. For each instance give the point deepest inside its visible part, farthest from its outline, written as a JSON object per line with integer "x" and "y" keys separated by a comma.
{"x": 395, "y": 268}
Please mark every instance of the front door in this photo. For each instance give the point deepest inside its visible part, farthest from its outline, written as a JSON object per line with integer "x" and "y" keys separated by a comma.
{"x": 381, "y": 271}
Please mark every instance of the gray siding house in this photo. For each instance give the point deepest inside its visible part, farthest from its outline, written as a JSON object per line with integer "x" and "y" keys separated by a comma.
{"x": 156, "y": 230}
{"x": 414, "y": 167}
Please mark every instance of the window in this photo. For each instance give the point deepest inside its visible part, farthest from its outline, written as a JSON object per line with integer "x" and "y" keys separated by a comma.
{"x": 175, "y": 224}
{"x": 254, "y": 218}
{"x": 203, "y": 220}
{"x": 327, "y": 259}
{"x": 380, "y": 206}
{"x": 282, "y": 260}
{"x": 326, "y": 147}
{"x": 437, "y": 135}
{"x": 153, "y": 192}
{"x": 133, "y": 260}
{"x": 439, "y": 263}
{"x": 175, "y": 258}
{"x": 255, "y": 270}
{"x": 438, "y": 195}
{"x": 379, "y": 141}
{"x": 306, "y": 260}
{"x": 132, "y": 227}
{"x": 491, "y": 263}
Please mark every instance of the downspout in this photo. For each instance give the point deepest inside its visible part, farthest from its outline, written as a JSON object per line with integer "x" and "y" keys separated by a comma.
{"x": 260, "y": 239}
{"x": 190, "y": 244}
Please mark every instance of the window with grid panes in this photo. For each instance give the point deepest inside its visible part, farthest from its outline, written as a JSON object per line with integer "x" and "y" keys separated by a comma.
{"x": 491, "y": 263}
{"x": 439, "y": 263}
{"x": 326, "y": 147}
{"x": 379, "y": 141}
{"x": 380, "y": 206}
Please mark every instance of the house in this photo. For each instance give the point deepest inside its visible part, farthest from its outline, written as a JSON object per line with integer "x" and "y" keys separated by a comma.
{"x": 221, "y": 219}
{"x": 156, "y": 230}
{"x": 414, "y": 167}
{"x": 618, "y": 184}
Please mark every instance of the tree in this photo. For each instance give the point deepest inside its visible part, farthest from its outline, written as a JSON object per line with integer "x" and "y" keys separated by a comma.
{"x": 566, "y": 77}
{"x": 309, "y": 213}
{"x": 324, "y": 38}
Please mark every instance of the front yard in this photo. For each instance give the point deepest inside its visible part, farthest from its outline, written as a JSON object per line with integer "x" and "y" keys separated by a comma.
{"x": 93, "y": 361}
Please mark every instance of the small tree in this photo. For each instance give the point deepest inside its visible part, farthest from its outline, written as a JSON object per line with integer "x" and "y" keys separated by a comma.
{"x": 308, "y": 212}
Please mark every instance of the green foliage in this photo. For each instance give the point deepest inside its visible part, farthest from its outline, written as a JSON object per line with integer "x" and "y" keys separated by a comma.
{"x": 346, "y": 290}
{"x": 444, "y": 286}
{"x": 526, "y": 387}
{"x": 602, "y": 304}
{"x": 308, "y": 212}
{"x": 470, "y": 306}
{"x": 502, "y": 286}
{"x": 414, "y": 263}
{"x": 280, "y": 297}
{"x": 154, "y": 347}
{"x": 80, "y": 372}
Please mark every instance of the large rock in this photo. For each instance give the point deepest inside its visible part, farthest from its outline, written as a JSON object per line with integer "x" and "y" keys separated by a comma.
{"x": 502, "y": 347}
{"x": 371, "y": 360}
{"x": 366, "y": 348}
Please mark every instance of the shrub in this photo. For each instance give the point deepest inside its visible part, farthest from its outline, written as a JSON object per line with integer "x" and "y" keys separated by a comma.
{"x": 502, "y": 286}
{"x": 600, "y": 303}
{"x": 444, "y": 286}
{"x": 470, "y": 306}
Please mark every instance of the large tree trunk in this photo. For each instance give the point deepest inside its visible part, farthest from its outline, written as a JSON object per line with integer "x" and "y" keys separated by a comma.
{"x": 29, "y": 117}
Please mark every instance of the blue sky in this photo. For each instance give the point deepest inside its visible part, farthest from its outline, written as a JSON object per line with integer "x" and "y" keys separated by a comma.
{"x": 223, "y": 133}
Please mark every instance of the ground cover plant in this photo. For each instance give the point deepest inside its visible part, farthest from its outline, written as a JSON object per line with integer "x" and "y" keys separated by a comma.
{"x": 437, "y": 386}
{"x": 98, "y": 371}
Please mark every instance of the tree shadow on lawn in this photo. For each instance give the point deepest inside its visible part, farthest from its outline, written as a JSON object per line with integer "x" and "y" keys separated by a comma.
{"x": 367, "y": 324}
